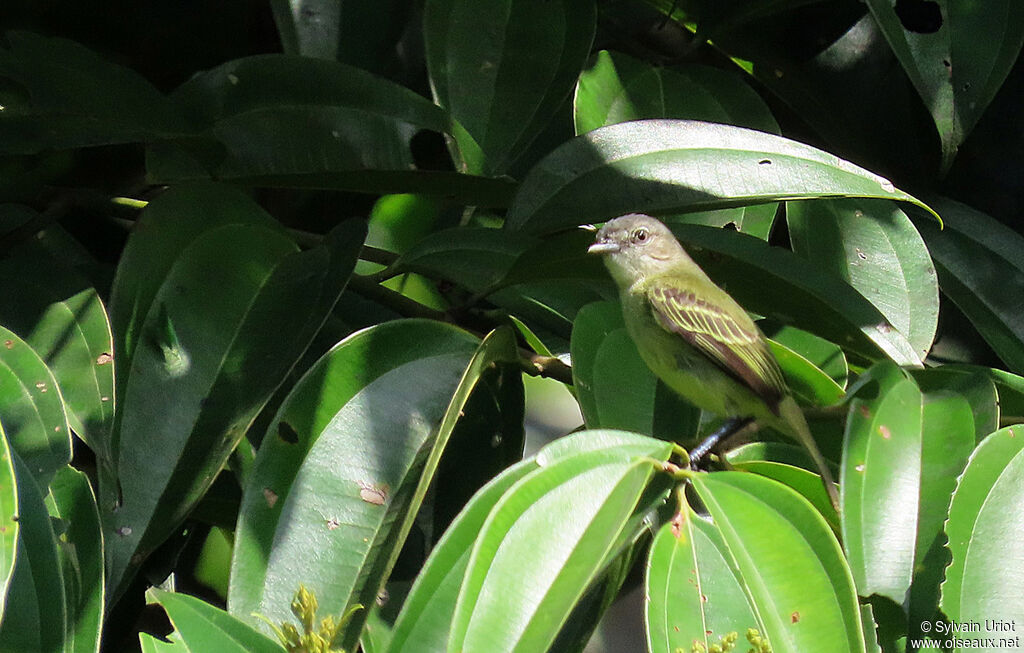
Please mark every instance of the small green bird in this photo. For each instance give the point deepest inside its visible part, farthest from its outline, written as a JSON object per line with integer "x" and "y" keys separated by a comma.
{"x": 694, "y": 336}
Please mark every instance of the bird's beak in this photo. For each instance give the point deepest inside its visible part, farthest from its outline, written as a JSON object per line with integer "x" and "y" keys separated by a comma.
{"x": 603, "y": 247}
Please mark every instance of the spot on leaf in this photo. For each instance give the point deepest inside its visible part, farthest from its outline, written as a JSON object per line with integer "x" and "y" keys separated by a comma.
{"x": 270, "y": 496}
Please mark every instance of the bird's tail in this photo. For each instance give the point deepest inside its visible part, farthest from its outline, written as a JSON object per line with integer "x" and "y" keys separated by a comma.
{"x": 795, "y": 425}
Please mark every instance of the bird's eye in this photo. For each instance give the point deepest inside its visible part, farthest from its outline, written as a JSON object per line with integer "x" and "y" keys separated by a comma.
{"x": 640, "y": 235}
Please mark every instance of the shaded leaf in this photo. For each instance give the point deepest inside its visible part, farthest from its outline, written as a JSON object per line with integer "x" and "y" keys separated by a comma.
{"x": 502, "y": 68}
{"x": 215, "y": 318}
{"x": 958, "y": 64}
{"x": 73, "y": 98}
{"x": 35, "y": 617}
{"x": 80, "y": 547}
{"x": 60, "y": 316}
{"x": 981, "y": 268}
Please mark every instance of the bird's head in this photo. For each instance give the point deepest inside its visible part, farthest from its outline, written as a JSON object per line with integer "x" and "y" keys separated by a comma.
{"x": 636, "y": 246}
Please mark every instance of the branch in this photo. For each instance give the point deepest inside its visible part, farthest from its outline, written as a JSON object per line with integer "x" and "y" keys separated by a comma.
{"x": 530, "y": 362}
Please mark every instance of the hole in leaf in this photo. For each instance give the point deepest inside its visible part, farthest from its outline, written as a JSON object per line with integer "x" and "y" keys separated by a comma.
{"x": 920, "y": 16}
{"x": 286, "y": 432}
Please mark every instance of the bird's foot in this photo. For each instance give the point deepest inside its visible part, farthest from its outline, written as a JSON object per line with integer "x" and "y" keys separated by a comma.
{"x": 731, "y": 426}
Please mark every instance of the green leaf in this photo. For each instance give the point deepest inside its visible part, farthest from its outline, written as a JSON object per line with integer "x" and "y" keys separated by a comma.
{"x": 335, "y": 475}
{"x": 60, "y": 316}
{"x": 298, "y": 122}
{"x": 474, "y": 257}
{"x": 692, "y": 591}
{"x": 376, "y": 637}
{"x": 8, "y": 520}
{"x": 981, "y": 268}
{"x": 80, "y": 547}
{"x": 777, "y": 283}
{"x": 615, "y": 388}
{"x": 215, "y": 318}
{"x": 974, "y": 385}
{"x": 804, "y": 481}
{"x": 880, "y": 486}
{"x": 502, "y": 69}
{"x": 617, "y": 88}
{"x": 873, "y": 246}
{"x": 824, "y": 355}
{"x": 150, "y": 644}
{"x": 201, "y": 626}
{"x": 789, "y": 560}
{"x": 32, "y": 410}
{"x": 756, "y": 220}
{"x": 590, "y": 497}
{"x": 957, "y": 65}
{"x": 805, "y": 381}
{"x": 986, "y": 532}
{"x": 35, "y": 617}
{"x": 425, "y": 620}
{"x": 73, "y": 98}
{"x": 947, "y": 441}
{"x": 666, "y": 166}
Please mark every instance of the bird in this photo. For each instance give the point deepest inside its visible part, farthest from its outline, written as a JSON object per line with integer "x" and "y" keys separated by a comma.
{"x": 695, "y": 337}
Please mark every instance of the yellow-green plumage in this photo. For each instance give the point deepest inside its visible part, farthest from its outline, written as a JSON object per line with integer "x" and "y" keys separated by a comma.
{"x": 694, "y": 336}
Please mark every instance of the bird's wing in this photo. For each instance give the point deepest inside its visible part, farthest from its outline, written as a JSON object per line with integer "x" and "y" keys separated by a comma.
{"x": 740, "y": 350}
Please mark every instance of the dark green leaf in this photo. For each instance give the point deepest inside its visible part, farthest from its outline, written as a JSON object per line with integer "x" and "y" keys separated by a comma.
{"x": 502, "y": 69}
{"x": 80, "y": 547}
{"x": 35, "y": 617}
{"x": 73, "y": 98}
{"x": 214, "y": 318}
{"x": 474, "y": 257}
{"x": 981, "y": 268}
{"x": 358, "y": 33}
{"x": 60, "y": 316}
{"x": 958, "y": 64}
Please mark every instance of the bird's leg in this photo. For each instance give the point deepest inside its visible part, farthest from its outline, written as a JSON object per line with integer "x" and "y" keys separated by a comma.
{"x": 731, "y": 426}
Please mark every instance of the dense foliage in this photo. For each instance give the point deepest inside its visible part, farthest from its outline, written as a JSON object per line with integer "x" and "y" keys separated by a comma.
{"x": 273, "y": 278}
